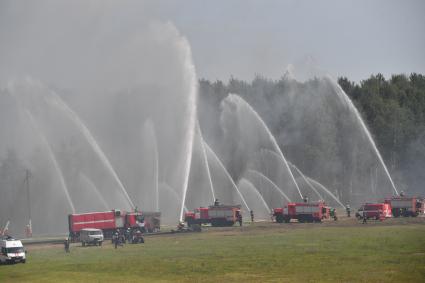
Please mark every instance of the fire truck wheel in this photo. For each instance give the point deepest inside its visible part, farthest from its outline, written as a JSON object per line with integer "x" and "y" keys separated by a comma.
{"x": 279, "y": 218}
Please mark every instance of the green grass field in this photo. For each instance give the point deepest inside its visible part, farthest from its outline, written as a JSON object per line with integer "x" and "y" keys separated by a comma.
{"x": 256, "y": 253}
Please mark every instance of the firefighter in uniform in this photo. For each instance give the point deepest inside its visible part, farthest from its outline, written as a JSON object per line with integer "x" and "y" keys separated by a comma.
{"x": 348, "y": 209}
{"x": 364, "y": 217}
{"x": 115, "y": 239}
{"x": 239, "y": 217}
{"x": 66, "y": 245}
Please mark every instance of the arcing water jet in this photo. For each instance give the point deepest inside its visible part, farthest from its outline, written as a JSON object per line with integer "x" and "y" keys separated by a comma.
{"x": 215, "y": 157}
{"x": 274, "y": 186}
{"x": 54, "y": 100}
{"x": 349, "y": 104}
{"x": 52, "y": 159}
{"x": 240, "y": 104}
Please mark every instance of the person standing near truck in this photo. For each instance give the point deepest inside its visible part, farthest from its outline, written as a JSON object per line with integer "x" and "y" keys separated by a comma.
{"x": 115, "y": 239}
{"x": 66, "y": 245}
{"x": 239, "y": 217}
{"x": 252, "y": 215}
{"x": 348, "y": 209}
{"x": 364, "y": 217}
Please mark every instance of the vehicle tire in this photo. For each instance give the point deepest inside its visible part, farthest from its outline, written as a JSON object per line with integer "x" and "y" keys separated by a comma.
{"x": 279, "y": 218}
{"x": 83, "y": 243}
{"x": 24, "y": 261}
{"x": 196, "y": 228}
{"x": 100, "y": 244}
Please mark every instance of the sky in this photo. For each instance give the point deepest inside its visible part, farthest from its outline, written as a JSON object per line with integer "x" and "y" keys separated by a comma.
{"x": 242, "y": 38}
{"x": 245, "y": 38}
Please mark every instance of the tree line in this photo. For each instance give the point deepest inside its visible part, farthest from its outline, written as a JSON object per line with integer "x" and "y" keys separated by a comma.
{"x": 393, "y": 110}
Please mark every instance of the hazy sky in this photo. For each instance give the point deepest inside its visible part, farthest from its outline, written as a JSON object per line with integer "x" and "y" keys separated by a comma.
{"x": 351, "y": 38}
{"x": 242, "y": 38}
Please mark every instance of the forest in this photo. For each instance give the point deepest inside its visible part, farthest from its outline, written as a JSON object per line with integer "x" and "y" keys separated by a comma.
{"x": 322, "y": 144}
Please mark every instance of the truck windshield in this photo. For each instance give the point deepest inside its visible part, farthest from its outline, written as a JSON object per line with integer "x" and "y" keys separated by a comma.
{"x": 15, "y": 250}
{"x": 96, "y": 233}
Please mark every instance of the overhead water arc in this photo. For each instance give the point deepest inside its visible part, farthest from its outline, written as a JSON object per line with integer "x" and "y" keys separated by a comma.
{"x": 236, "y": 99}
{"x": 204, "y": 153}
{"x": 210, "y": 151}
{"x": 189, "y": 75}
{"x": 52, "y": 159}
{"x": 56, "y": 101}
{"x": 245, "y": 181}
{"x": 267, "y": 179}
{"x": 327, "y": 191}
{"x": 347, "y": 101}
{"x": 93, "y": 187}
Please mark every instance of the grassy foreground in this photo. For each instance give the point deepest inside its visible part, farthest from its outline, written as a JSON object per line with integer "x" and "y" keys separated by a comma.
{"x": 259, "y": 253}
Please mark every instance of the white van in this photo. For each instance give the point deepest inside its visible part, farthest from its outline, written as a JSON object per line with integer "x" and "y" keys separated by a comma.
{"x": 11, "y": 250}
{"x": 91, "y": 236}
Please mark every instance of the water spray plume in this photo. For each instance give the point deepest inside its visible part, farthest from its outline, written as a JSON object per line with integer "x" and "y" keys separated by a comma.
{"x": 348, "y": 103}
{"x": 210, "y": 151}
{"x": 326, "y": 191}
{"x": 207, "y": 167}
{"x": 56, "y": 101}
{"x": 89, "y": 184}
{"x": 274, "y": 186}
{"x": 173, "y": 192}
{"x": 190, "y": 76}
{"x": 248, "y": 184}
{"x": 150, "y": 128}
{"x": 306, "y": 180}
{"x": 52, "y": 159}
{"x": 310, "y": 180}
{"x": 239, "y": 101}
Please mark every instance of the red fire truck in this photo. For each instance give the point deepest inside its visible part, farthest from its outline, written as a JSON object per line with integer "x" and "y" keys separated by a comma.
{"x": 405, "y": 206}
{"x": 107, "y": 221}
{"x": 216, "y": 215}
{"x": 303, "y": 212}
{"x": 377, "y": 211}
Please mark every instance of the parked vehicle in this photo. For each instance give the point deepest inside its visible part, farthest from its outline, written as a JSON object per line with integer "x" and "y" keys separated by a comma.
{"x": 377, "y": 211}
{"x": 12, "y": 250}
{"x": 403, "y": 206}
{"x": 303, "y": 212}
{"x": 216, "y": 215}
{"x": 108, "y": 221}
{"x": 91, "y": 236}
